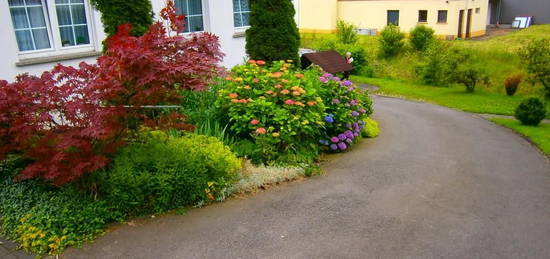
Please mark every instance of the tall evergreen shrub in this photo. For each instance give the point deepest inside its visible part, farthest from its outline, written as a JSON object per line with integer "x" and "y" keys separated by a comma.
{"x": 138, "y": 13}
{"x": 273, "y": 34}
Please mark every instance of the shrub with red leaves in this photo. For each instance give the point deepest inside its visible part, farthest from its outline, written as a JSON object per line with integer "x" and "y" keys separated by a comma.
{"x": 68, "y": 120}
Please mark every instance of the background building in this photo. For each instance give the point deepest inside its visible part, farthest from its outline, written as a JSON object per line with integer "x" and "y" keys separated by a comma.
{"x": 37, "y": 34}
{"x": 504, "y": 11}
{"x": 449, "y": 18}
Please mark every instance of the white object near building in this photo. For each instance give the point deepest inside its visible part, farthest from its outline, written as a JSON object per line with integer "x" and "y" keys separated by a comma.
{"x": 37, "y": 34}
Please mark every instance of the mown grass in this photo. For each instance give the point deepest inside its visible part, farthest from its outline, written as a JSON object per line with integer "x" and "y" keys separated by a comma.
{"x": 540, "y": 135}
{"x": 497, "y": 56}
{"x": 481, "y": 101}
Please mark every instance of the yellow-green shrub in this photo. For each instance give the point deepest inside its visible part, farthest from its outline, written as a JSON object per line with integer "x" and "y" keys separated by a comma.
{"x": 371, "y": 128}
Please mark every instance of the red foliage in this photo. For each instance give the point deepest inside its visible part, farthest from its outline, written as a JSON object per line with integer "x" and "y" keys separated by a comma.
{"x": 69, "y": 120}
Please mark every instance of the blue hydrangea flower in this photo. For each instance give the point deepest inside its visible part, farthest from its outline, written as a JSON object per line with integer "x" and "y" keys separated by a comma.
{"x": 329, "y": 119}
{"x": 333, "y": 147}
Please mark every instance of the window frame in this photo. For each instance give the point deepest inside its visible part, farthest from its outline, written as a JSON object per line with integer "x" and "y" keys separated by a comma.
{"x": 419, "y": 16}
{"x": 58, "y": 31}
{"x": 388, "y": 17}
{"x": 45, "y": 12}
{"x": 240, "y": 12}
{"x": 54, "y": 33}
{"x": 188, "y": 16}
{"x": 439, "y": 12}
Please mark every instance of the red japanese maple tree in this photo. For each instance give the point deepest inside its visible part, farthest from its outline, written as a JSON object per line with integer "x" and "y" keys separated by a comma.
{"x": 68, "y": 120}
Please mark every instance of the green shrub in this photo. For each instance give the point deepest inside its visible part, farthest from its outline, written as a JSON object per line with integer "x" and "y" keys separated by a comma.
{"x": 531, "y": 111}
{"x": 421, "y": 37}
{"x": 162, "y": 172}
{"x": 537, "y": 57}
{"x": 138, "y": 13}
{"x": 360, "y": 64}
{"x": 469, "y": 77}
{"x": 371, "y": 128}
{"x": 391, "y": 41}
{"x": 346, "y": 32}
{"x": 511, "y": 83}
{"x": 273, "y": 34}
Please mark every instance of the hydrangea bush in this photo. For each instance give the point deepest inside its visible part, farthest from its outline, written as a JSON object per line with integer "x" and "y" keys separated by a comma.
{"x": 346, "y": 108}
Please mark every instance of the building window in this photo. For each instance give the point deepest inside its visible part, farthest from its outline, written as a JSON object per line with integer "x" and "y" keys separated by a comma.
{"x": 393, "y": 17}
{"x": 477, "y": 10}
{"x": 29, "y": 22}
{"x": 241, "y": 13}
{"x": 442, "y": 16}
{"x": 422, "y": 15}
{"x": 73, "y": 25}
{"x": 192, "y": 9}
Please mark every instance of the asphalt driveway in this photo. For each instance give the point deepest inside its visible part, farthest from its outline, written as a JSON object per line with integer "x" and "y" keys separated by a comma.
{"x": 437, "y": 183}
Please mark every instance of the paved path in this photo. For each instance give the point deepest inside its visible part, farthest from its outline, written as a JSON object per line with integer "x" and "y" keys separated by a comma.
{"x": 437, "y": 183}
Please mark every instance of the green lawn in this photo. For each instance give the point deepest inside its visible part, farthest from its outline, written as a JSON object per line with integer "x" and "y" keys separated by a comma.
{"x": 539, "y": 135}
{"x": 456, "y": 97}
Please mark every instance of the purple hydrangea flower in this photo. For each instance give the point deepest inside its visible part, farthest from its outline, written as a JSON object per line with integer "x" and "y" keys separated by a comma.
{"x": 351, "y": 88}
{"x": 355, "y": 125}
{"x": 333, "y": 147}
{"x": 356, "y": 134}
{"x": 323, "y": 79}
{"x": 342, "y": 146}
{"x": 354, "y": 102}
{"x": 354, "y": 114}
{"x": 362, "y": 110}
{"x": 336, "y": 101}
{"x": 342, "y": 137}
{"x": 335, "y": 78}
{"x": 349, "y": 141}
{"x": 334, "y": 139}
{"x": 348, "y": 133}
{"x": 347, "y": 83}
{"x": 329, "y": 119}
{"x": 327, "y": 75}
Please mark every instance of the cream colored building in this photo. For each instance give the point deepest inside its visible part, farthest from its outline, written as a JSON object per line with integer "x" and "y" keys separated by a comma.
{"x": 449, "y": 18}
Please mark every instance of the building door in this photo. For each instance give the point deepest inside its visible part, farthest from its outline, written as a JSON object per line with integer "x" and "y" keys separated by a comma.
{"x": 460, "y": 23}
{"x": 469, "y": 24}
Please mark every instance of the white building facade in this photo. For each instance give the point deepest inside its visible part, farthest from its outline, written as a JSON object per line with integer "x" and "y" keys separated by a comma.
{"x": 37, "y": 34}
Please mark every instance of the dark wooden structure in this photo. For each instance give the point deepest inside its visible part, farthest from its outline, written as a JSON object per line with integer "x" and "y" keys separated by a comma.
{"x": 330, "y": 61}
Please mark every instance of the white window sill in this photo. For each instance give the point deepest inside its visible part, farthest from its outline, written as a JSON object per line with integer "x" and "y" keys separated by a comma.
{"x": 240, "y": 32}
{"x": 56, "y": 58}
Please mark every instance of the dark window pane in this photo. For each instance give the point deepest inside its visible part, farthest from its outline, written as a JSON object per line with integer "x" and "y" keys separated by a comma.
{"x": 33, "y": 2}
{"x": 442, "y": 16}
{"x": 246, "y": 19}
{"x": 393, "y": 17}
{"x": 422, "y": 15}
{"x": 15, "y": 2}
{"x": 195, "y": 7}
{"x": 19, "y": 18}
{"x": 236, "y": 6}
{"x": 67, "y": 37}
{"x": 237, "y": 20}
{"x": 41, "y": 38}
{"x": 61, "y": 1}
{"x": 81, "y": 33}
{"x": 36, "y": 15}
{"x": 244, "y": 6}
{"x": 64, "y": 15}
{"x": 181, "y": 6}
{"x": 195, "y": 23}
{"x": 24, "y": 40}
{"x": 79, "y": 14}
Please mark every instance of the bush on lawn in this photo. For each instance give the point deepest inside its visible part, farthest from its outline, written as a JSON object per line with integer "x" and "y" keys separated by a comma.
{"x": 346, "y": 32}
{"x": 371, "y": 128}
{"x": 273, "y": 34}
{"x": 511, "y": 83}
{"x": 346, "y": 107}
{"x": 469, "y": 77}
{"x": 391, "y": 41}
{"x": 421, "y": 37}
{"x": 537, "y": 57}
{"x": 161, "y": 172}
{"x": 531, "y": 111}
{"x": 442, "y": 65}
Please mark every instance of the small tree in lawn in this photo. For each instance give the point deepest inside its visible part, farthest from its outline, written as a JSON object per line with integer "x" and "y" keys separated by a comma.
{"x": 273, "y": 34}
{"x": 537, "y": 57}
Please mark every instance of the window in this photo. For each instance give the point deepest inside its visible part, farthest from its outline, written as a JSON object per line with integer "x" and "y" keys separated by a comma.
{"x": 192, "y": 9}
{"x": 422, "y": 15}
{"x": 477, "y": 10}
{"x": 73, "y": 27}
{"x": 442, "y": 16}
{"x": 36, "y": 30}
{"x": 393, "y": 17}
{"x": 241, "y": 13}
{"x": 29, "y": 23}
